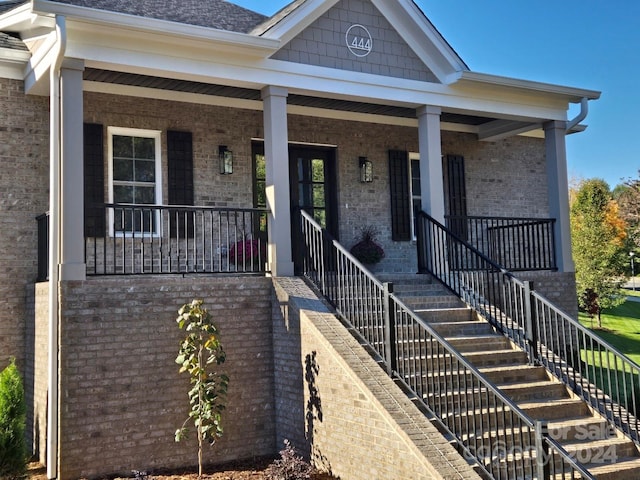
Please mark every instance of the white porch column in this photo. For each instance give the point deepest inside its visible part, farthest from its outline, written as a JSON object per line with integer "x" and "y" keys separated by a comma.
{"x": 558, "y": 185}
{"x": 432, "y": 188}
{"x": 72, "y": 262}
{"x": 276, "y": 152}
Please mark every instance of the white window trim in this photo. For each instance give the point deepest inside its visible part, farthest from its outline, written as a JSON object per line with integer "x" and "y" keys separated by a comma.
{"x": 413, "y": 156}
{"x": 135, "y": 132}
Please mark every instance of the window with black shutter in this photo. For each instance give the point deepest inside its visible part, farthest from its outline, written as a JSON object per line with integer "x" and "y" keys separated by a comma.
{"x": 400, "y": 195}
{"x": 180, "y": 181}
{"x": 94, "y": 213}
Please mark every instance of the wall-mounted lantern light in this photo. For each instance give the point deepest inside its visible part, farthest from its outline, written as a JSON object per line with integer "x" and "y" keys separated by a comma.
{"x": 226, "y": 160}
{"x": 366, "y": 170}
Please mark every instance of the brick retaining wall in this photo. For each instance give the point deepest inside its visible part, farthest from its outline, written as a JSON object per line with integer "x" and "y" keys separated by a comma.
{"x": 121, "y": 395}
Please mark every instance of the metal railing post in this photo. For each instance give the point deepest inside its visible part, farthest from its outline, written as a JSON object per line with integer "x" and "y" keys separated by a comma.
{"x": 389, "y": 328}
{"x": 543, "y": 466}
{"x": 530, "y": 323}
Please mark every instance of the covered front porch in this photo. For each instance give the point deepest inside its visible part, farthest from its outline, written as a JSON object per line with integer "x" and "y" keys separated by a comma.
{"x": 505, "y": 196}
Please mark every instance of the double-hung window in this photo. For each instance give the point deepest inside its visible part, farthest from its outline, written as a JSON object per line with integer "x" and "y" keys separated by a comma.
{"x": 135, "y": 180}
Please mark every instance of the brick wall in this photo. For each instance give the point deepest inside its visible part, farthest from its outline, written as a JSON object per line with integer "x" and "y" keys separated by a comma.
{"x": 336, "y": 403}
{"x": 121, "y": 395}
{"x": 558, "y": 287}
{"x": 24, "y": 185}
{"x": 503, "y": 178}
{"x": 36, "y": 367}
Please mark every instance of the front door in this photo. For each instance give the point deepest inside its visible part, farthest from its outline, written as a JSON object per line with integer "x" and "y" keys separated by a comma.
{"x": 312, "y": 176}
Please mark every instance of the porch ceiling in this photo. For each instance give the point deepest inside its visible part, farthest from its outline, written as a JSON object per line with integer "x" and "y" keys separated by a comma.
{"x": 185, "y": 86}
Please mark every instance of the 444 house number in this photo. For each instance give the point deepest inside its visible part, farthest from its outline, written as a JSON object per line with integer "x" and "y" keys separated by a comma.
{"x": 359, "y": 40}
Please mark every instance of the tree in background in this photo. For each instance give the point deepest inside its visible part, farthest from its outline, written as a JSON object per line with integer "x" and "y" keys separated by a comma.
{"x": 627, "y": 195}
{"x": 598, "y": 239}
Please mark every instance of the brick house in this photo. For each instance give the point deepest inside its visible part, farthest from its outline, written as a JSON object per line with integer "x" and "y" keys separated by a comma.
{"x": 161, "y": 138}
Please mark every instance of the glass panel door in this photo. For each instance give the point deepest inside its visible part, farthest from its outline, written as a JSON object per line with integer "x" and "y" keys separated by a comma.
{"x": 312, "y": 175}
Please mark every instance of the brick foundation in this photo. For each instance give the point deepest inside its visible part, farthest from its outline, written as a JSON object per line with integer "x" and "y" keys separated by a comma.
{"x": 121, "y": 395}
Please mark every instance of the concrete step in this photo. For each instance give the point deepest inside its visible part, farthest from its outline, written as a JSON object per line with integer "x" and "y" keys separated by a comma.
{"x": 494, "y": 358}
{"x": 408, "y": 279}
{"x": 536, "y": 390}
{"x": 437, "y": 315}
{"x": 554, "y": 409}
{"x": 479, "y": 343}
{"x": 460, "y": 329}
{"x": 581, "y": 428}
{"x": 514, "y": 373}
{"x": 601, "y": 452}
{"x": 625, "y": 468}
{"x": 436, "y": 299}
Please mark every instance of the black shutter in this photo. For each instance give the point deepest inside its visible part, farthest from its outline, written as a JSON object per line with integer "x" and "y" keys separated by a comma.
{"x": 456, "y": 194}
{"x": 94, "y": 212}
{"x": 180, "y": 181}
{"x": 180, "y": 165}
{"x": 400, "y": 195}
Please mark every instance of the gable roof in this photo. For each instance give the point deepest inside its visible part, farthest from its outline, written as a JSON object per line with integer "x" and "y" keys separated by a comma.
{"x": 218, "y": 14}
{"x": 404, "y": 16}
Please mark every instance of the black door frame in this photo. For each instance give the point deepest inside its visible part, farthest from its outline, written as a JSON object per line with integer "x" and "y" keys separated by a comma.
{"x": 309, "y": 152}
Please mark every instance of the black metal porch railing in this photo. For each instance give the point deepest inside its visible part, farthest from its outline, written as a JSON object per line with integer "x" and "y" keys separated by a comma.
{"x": 595, "y": 370}
{"x": 488, "y": 428}
{"x": 152, "y": 239}
{"x": 517, "y": 244}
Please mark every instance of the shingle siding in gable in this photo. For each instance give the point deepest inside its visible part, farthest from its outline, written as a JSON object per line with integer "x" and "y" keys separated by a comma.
{"x": 323, "y": 43}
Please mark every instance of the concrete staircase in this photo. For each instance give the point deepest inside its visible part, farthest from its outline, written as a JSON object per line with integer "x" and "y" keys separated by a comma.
{"x": 587, "y": 436}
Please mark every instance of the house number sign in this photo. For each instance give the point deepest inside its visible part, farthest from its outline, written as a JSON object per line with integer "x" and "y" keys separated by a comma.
{"x": 359, "y": 40}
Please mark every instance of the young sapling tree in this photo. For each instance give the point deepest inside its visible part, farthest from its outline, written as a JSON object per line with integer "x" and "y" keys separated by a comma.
{"x": 199, "y": 353}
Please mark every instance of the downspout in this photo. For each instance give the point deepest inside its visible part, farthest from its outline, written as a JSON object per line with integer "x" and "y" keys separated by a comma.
{"x": 54, "y": 247}
{"x": 584, "y": 110}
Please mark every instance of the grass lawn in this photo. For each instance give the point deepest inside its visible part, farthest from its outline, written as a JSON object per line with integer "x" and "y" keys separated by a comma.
{"x": 620, "y": 327}
{"x": 633, "y": 293}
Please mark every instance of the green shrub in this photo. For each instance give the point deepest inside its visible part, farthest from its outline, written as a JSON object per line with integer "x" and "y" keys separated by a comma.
{"x": 13, "y": 412}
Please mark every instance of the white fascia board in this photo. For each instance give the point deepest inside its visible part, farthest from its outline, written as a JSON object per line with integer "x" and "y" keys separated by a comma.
{"x": 13, "y": 63}
{"x": 299, "y": 19}
{"x": 21, "y": 18}
{"x": 240, "y": 42}
{"x": 573, "y": 95}
{"x": 411, "y": 24}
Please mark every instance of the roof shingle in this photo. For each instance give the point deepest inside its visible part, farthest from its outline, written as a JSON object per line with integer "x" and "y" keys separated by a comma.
{"x": 6, "y": 5}
{"x": 11, "y": 42}
{"x": 218, "y": 14}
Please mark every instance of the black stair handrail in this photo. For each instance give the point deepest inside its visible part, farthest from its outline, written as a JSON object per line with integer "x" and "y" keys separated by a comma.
{"x": 401, "y": 340}
{"x": 592, "y": 368}
{"x": 517, "y": 243}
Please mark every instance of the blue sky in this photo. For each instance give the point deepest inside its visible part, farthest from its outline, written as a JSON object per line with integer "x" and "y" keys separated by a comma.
{"x": 589, "y": 44}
